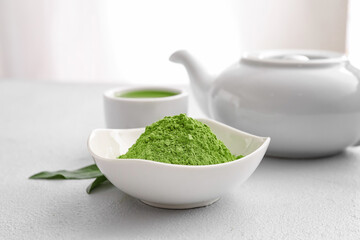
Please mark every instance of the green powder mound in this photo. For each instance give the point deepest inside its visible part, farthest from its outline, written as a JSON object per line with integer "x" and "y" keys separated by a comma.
{"x": 179, "y": 140}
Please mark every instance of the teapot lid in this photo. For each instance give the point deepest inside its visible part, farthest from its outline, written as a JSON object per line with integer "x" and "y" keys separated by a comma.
{"x": 295, "y": 57}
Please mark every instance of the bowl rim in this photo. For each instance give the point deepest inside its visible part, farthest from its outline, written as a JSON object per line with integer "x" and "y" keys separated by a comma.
{"x": 264, "y": 144}
{"x": 110, "y": 93}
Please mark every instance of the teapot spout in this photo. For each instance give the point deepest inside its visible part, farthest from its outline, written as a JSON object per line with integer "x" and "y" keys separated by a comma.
{"x": 200, "y": 80}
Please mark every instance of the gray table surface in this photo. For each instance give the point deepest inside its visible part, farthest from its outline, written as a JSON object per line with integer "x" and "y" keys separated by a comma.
{"x": 44, "y": 126}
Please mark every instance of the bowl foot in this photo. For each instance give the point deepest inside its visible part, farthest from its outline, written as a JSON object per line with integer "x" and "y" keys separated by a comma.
{"x": 181, "y": 206}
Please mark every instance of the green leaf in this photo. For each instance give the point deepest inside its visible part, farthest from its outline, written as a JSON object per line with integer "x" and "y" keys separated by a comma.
{"x": 91, "y": 171}
{"x": 96, "y": 183}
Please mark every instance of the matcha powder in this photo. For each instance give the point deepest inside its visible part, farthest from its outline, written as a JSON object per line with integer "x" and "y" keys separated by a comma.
{"x": 180, "y": 140}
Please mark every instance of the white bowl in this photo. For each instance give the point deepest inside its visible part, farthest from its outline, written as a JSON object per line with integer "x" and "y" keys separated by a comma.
{"x": 175, "y": 186}
{"x": 123, "y": 112}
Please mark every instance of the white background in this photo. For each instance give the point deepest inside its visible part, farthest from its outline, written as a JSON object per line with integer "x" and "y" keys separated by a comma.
{"x": 130, "y": 41}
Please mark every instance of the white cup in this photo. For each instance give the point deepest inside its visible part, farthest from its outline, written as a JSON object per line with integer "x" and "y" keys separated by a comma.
{"x": 123, "y": 112}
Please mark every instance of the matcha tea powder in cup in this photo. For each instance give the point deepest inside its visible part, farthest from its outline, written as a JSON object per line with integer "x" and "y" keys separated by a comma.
{"x": 180, "y": 140}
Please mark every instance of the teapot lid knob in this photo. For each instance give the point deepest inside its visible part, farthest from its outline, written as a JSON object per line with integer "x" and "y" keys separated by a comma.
{"x": 296, "y": 57}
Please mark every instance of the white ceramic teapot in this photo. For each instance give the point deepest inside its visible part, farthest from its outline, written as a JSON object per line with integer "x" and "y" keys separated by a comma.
{"x": 308, "y": 102}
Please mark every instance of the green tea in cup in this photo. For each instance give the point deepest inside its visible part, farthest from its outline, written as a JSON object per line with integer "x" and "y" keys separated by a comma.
{"x": 139, "y": 106}
{"x": 148, "y": 93}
